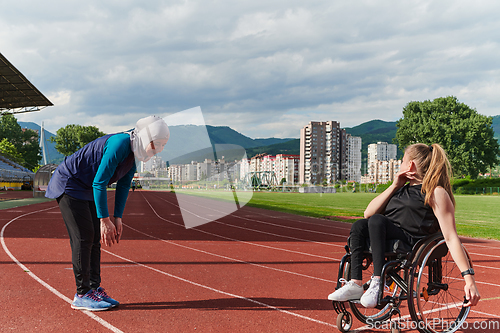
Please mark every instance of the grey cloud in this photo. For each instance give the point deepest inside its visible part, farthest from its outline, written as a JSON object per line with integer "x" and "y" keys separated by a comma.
{"x": 255, "y": 58}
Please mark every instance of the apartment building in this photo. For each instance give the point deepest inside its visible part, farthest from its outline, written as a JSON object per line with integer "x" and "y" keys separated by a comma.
{"x": 382, "y": 151}
{"x": 205, "y": 169}
{"x": 328, "y": 154}
{"x": 287, "y": 167}
{"x": 182, "y": 172}
{"x": 244, "y": 167}
{"x": 284, "y": 166}
{"x": 209, "y": 170}
{"x": 353, "y": 158}
{"x": 384, "y": 171}
{"x": 154, "y": 163}
{"x": 382, "y": 163}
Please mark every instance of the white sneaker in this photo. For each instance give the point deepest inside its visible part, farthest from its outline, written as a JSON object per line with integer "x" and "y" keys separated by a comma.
{"x": 350, "y": 291}
{"x": 370, "y": 297}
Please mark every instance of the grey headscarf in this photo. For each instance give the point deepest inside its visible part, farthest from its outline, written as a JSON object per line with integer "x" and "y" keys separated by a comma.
{"x": 146, "y": 130}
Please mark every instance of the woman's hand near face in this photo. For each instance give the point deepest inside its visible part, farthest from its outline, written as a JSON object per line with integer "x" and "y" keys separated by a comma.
{"x": 402, "y": 177}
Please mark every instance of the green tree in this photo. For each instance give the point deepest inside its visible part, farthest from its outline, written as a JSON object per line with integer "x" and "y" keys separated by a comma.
{"x": 24, "y": 140}
{"x": 9, "y": 151}
{"x": 73, "y": 137}
{"x": 466, "y": 135}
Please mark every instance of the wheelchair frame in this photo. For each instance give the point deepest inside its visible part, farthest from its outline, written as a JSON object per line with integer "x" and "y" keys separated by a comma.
{"x": 417, "y": 276}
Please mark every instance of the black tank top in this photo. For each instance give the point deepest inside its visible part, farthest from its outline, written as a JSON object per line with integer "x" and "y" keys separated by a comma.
{"x": 407, "y": 210}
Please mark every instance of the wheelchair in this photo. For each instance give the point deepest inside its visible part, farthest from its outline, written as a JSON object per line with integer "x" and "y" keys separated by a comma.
{"x": 425, "y": 276}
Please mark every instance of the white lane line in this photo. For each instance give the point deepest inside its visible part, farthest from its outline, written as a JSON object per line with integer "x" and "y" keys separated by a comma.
{"x": 484, "y": 246}
{"x": 255, "y": 230}
{"x": 324, "y": 222}
{"x": 286, "y": 227}
{"x": 220, "y": 291}
{"x": 488, "y": 267}
{"x": 244, "y": 218}
{"x": 304, "y": 240}
{"x": 484, "y": 313}
{"x": 484, "y": 255}
{"x": 289, "y": 218}
{"x": 268, "y": 246}
{"x": 240, "y": 241}
{"x": 268, "y": 223}
{"x": 45, "y": 284}
{"x": 228, "y": 258}
{"x": 445, "y": 307}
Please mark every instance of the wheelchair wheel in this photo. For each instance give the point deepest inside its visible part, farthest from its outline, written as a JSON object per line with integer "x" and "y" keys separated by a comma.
{"x": 344, "y": 322}
{"x": 373, "y": 315}
{"x": 436, "y": 292}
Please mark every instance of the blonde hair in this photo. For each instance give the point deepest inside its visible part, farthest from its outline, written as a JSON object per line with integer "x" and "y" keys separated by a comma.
{"x": 433, "y": 166}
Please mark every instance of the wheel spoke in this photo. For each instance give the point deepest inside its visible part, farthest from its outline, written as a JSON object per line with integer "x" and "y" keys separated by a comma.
{"x": 443, "y": 306}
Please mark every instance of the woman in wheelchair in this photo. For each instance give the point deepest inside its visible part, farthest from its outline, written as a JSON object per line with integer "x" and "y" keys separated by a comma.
{"x": 419, "y": 203}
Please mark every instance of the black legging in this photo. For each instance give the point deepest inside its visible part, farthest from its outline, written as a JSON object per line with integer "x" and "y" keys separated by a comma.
{"x": 378, "y": 229}
{"x": 83, "y": 226}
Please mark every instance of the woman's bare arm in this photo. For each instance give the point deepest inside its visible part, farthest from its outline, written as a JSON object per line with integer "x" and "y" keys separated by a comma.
{"x": 445, "y": 212}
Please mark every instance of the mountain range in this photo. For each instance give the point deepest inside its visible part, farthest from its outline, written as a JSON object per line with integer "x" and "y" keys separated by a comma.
{"x": 185, "y": 135}
{"x": 181, "y": 136}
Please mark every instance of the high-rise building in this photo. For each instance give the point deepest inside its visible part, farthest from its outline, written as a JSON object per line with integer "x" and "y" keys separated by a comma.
{"x": 287, "y": 167}
{"x": 382, "y": 162}
{"x": 244, "y": 167}
{"x": 353, "y": 158}
{"x": 384, "y": 171}
{"x": 323, "y": 153}
{"x": 382, "y": 151}
{"x": 205, "y": 169}
{"x": 154, "y": 163}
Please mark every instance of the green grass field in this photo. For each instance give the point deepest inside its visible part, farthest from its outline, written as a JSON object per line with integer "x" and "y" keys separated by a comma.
{"x": 476, "y": 215}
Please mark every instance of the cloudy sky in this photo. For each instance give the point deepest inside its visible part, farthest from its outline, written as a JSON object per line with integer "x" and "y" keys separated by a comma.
{"x": 263, "y": 67}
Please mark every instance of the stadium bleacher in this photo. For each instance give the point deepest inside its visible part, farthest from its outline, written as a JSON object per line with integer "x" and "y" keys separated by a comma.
{"x": 11, "y": 172}
{"x": 18, "y": 95}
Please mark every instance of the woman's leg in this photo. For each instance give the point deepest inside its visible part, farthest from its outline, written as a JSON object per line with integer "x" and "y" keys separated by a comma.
{"x": 95, "y": 254}
{"x": 359, "y": 235}
{"x": 353, "y": 290}
{"x": 80, "y": 225}
{"x": 380, "y": 229}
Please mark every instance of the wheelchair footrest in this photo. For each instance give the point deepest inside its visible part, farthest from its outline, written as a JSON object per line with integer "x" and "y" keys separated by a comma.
{"x": 383, "y": 302}
{"x": 339, "y": 307}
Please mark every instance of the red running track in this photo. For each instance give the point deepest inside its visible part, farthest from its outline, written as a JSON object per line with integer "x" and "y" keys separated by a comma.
{"x": 252, "y": 271}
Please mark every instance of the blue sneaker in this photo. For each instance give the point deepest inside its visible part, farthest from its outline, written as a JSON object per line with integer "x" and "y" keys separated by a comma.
{"x": 90, "y": 302}
{"x": 99, "y": 292}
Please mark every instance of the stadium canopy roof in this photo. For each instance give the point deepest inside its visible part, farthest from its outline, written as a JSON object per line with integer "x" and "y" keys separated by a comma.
{"x": 17, "y": 94}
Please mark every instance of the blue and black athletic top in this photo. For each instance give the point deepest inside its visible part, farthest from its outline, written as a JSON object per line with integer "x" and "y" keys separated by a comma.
{"x": 86, "y": 174}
